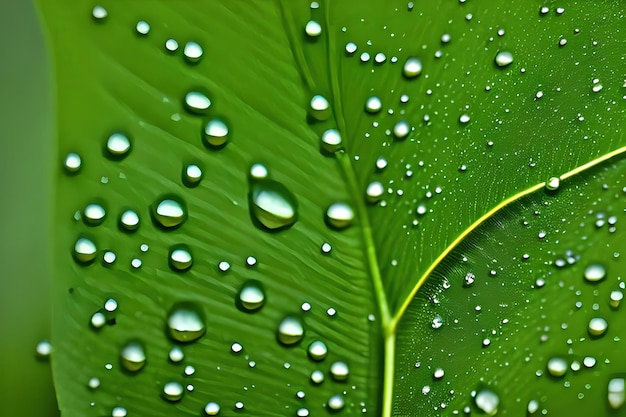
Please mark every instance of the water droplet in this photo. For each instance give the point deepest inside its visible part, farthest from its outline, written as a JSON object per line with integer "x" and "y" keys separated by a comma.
{"x": 189, "y": 370}
{"x": 351, "y": 48}
{"x": 401, "y": 129}
{"x": 142, "y": 27}
{"x": 595, "y": 273}
{"x": 72, "y": 162}
{"x": 589, "y": 361}
{"x": 180, "y": 258}
{"x": 464, "y": 119}
{"x": 373, "y": 105}
{"x": 258, "y": 171}
{"x": 339, "y": 215}
{"x": 98, "y": 319}
{"x": 169, "y": 212}
{"x": 129, "y": 220}
{"x": 318, "y": 350}
{"x": 533, "y": 406}
{"x": 317, "y": 377}
{"x": 215, "y": 133}
{"x": 487, "y": 401}
{"x": 412, "y": 67}
{"x": 193, "y": 52}
{"x": 236, "y": 348}
{"x": 197, "y": 102}
{"x": 99, "y": 13}
{"x": 118, "y": 145}
{"x": 339, "y": 371}
{"x": 84, "y": 250}
{"x": 272, "y": 205}
{"x": 313, "y": 29}
{"x": 557, "y": 367}
{"x": 616, "y": 298}
{"x": 439, "y": 373}
{"x": 192, "y": 174}
{"x": 374, "y": 192}
{"x": 597, "y": 326}
{"x": 133, "y": 356}
{"x": 381, "y": 163}
{"x": 94, "y": 214}
{"x": 94, "y": 383}
{"x": 319, "y": 108}
{"x": 171, "y": 45}
{"x": 176, "y": 354}
{"x": 290, "y": 331}
{"x": 616, "y": 393}
{"x": 380, "y": 58}
{"x": 173, "y": 391}
{"x": 223, "y": 266}
{"x": 251, "y": 296}
{"x": 336, "y": 402}
{"x": 553, "y": 184}
{"x": 302, "y": 412}
{"x": 331, "y": 141}
{"x": 212, "y": 408}
{"x": 185, "y": 322}
{"x": 110, "y": 305}
{"x": 43, "y": 349}
{"x": 504, "y": 59}
{"x": 326, "y": 248}
{"x": 118, "y": 412}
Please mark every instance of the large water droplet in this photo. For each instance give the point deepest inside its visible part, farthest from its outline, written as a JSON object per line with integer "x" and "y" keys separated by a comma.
{"x": 193, "y": 52}
{"x": 487, "y": 401}
{"x": 412, "y": 67}
{"x": 616, "y": 393}
{"x": 557, "y": 367}
{"x": 339, "y": 215}
{"x": 133, "y": 356}
{"x": 503, "y": 59}
{"x": 215, "y": 133}
{"x": 272, "y": 206}
{"x": 84, "y": 250}
{"x": 595, "y": 273}
{"x": 197, "y": 102}
{"x": 119, "y": 412}
{"x": 94, "y": 214}
{"x": 319, "y": 108}
{"x": 401, "y": 129}
{"x": 251, "y": 296}
{"x": 616, "y": 298}
{"x": 331, "y": 141}
{"x": 339, "y": 371}
{"x": 173, "y": 391}
{"x": 169, "y": 212}
{"x": 553, "y": 184}
{"x": 185, "y": 322}
{"x": 336, "y": 402}
{"x": 597, "y": 326}
{"x": 313, "y": 29}
{"x": 118, "y": 145}
{"x": 129, "y": 220}
{"x": 318, "y": 350}
{"x": 290, "y": 331}
{"x": 212, "y": 408}
{"x": 180, "y": 258}
{"x": 373, "y": 105}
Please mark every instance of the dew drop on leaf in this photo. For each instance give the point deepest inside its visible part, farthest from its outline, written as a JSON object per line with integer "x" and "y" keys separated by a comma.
{"x": 212, "y": 409}
{"x": 169, "y": 212}
{"x": 374, "y": 192}
{"x": 98, "y": 319}
{"x": 615, "y": 299}
{"x": 142, "y": 27}
{"x": 319, "y": 108}
{"x": 215, "y": 133}
{"x": 94, "y": 214}
{"x": 412, "y": 67}
{"x": 272, "y": 206}
{"x": 557, "y": 367}
{"x": 258, "y": 171}
{"x": 192, "y": 174}
{"x": 331, "y": 141}
{"x": 597, "y": 326}
{"x": 351, "y": 48}
{"x": 176, "y": 354}
{"x": 616, "y": 393}
{"x": 339, "y": 371}
{"x": 595, "y": 272}
{"x": 133, "y": 356}
{"x": 251, "y": 296}
{"x": 185, "y": 322}
{"x": 317, "y": 350}
{"x": 84, "y": 250}
{"x": 72, "y": 162}
{"x": 487, "y": 401}
{"x": 193, "y": 52}
{"x": 290, "y": 331}
{"x": 373, "y": 105}
{"x": 313, "y": 29}
{"x": 99, "y": 13}
{"x": 339, "y": 216}
{"x": 119, "y": 412}
{"x": 94, "y": 383}
{"x": 336, "y": 402}
{"x": 129, "y": 220}
{"x": 173, "y": 391}
{"x": 43, "y": 349}
{"x": 553, "y": 184}
{"x": 197, "y": 102}
{"x": 504, "y": 59}
{"x": 118, "y": 145}
{"x": 171, "y": 45}
{"x": 180, "y": 258}
{"x": 401, "y": 129}
{"x": 302, "y": 412}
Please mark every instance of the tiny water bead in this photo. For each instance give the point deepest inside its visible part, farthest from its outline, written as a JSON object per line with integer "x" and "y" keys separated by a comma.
{"x": 43, "y": 349}
{"x": 290, "y": 331}
{"x": 487, "y": 401}
{"x": 412, "y": 67}
{"x": 212, "y": 408}
{"x": 173, "y": 391}
{"x": 336, "y": 402}
{"x": 84, "y": 250}
{"x": 169, "y": 212}
{"x": 317, "y": 350}
{"x": 272, "y": 205}
{"x": 133, "y": 356}
{"x": 557, "y": 367}
{"x": 553, "y": 184}
{"x": 215, "y": 133}
{"x": 319, "y": 108}
{"x": 313, "y": 29}
{"x": 118, "y": 145}
{"x": 185, "y": 322}
{"x": 197, "y": 102}
{"x": 251, "y": 296}
{"x": 72, "y": 162}
{"x": 373, "y": 105}
{"x": 94, "y": 214}
{"x": 180, "y": 258}
{"x": 597, "y": 326}
{"x": 193, "y": 52}
{"x": 258, "y": 171}
{"x": 326, "y": 248}
{"x": 339, "y": 216}
{"x": 616, "y": 393}
{"x": 401, "y": 129}
{"x": 339, "y": 371}
{"x": 374, "y": 192}
{"x": 331, "y": 141}
{"x": 503, "y": 59}
{"x": 129, "y": 220}
{"x": 192, "y": 175}
{"x": 142, "y": 27}
{"x": 595, "y": 272}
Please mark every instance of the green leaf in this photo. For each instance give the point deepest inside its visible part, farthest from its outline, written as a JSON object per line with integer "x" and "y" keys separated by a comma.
{"x": 449, "y": 147}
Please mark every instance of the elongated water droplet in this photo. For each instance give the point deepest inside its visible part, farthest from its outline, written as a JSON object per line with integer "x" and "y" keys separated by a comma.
{"x": 339, "y": 215}
{"x": 597, "y": 326}
{"x": 272, "y": 206}
{"x": 129, "y": 220}
{"x": 72, "y": 162}
{"x": 197, "y": 102}
{"x": 339, "y": 371}
{"x": 185, "y": 322}
{"x": 557, "y": 367}
{"x": 193, "y": 52}
{"x": 318, "y": 350}
{"x": 215, "y": 133}
{"x": 94, "y": 214}
{"x": 180, "y": 258}
{"x": 313, "y": 29}
{"x": 173, "y": 391}
{"x": 169, "y": 212}
{"x": 133, "y": 356}
{"x": 595, "y": 273}
{"x": 412, "y": 67}
{"x": 319, "y": 108}
{"x": 331, "y": 141}
{"x": 84, "y": 250}
{"x": 290, "y": 331}
{"x": 616, "y": 393}
{"x": 336, "y": 402}
{"x": 373, "y": 105}
{"x": 212, "y": 409}
{"x": 118, "y": 145}
{"x": 553, "y": 184}
{"x": 251, "y": 296}
{"x": 504, "y": 59}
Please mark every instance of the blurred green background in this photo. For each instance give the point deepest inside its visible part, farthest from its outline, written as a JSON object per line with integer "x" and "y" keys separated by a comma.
{"x": 26, "y": 160}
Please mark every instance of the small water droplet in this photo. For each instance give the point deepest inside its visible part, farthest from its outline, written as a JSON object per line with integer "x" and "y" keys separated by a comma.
{"x": 43, "y": 349}
{"x": 557, "y": 367}
{"x": 412, "y": 67}
{"x": 133, "y": 356}
{"x": 374, "y": 192}
{"x": 339, "y": 371}
{"x": 317, "y": 377}
{"x": 331, "y": 141}
{"x": 176, "y": 354}
{"x": 258, "y": 171}
{"x": 185, "y": 322}
{"x": 192, "y": 174}
{"x": 223, "y": 266}
{"x": 302, "y": 412}
{"x": 401, "y": 129}
{"x": 118, "y": 145}
{"x": 373, "y": 105}
{"x": 487, "y": 401}
{"x": 589, "y": 361}
{"x": 193, "y": 52}
{"x": 336, "y": 402}
{"x": 94, "y": 214}
{"x": 595, "y": 272}
{"x": 142, "y": 27}
{"x": 197, "y": 102}
{"x": 504, "y": 59}
{"x": 129, "y": 220}
{"x": 94, "y": 383}
{"x": 171, "y": 45}
{"x": 180, "y": 258}
{"x": 533, "y": 406}
{"x": 597, "y": 326}
{"x": 339, "y": 215}
{"x": 169, "y": 212}
{"x": 326, "y": 248}
{"x": 173, "y": 391}
{"x": 251, "y": 296}
{"x": 236, "y": 348}
{"x": 439, "y": 373}
{"x": 72, "y": 162}
{"x": 215, "y": 133}
{"x": 464, "y": 119}
{"x": 290, "y": 331}
{"x": 84, "y": 251}
{"x": 272, "y": 205}
{"x": 381, "y": 163}
{"x": 616, "y": 393}
{"x": 119, "y": 412}
{"x": 319, "y": 108}
{"x": 553, "y": 184}
{"x": 616, "y": 298}
{"x": 98, "y": 320}
{"x": 313, "y": 29}
{"x": 189, "y": 370}
{"x": 318, "y": 350}
{"x": 99, "y": 13}
{"x": 351, "y": 48}
{"x": 212, "y": 408}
